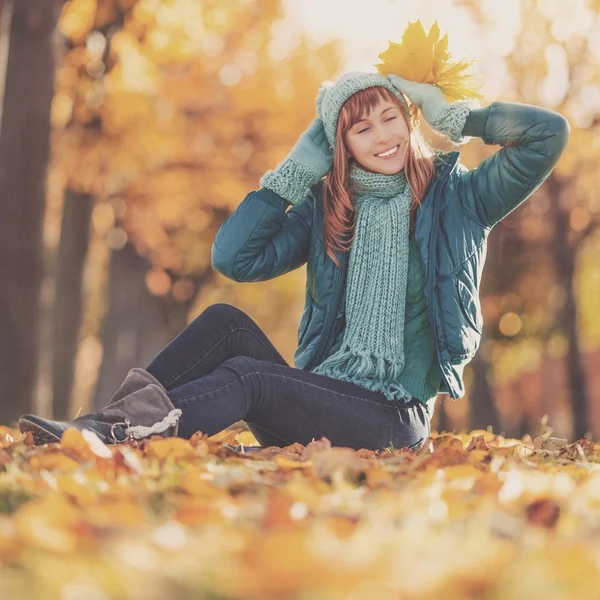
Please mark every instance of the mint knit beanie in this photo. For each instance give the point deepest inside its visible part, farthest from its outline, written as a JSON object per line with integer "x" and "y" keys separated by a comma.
{"x": 332, "y": 96}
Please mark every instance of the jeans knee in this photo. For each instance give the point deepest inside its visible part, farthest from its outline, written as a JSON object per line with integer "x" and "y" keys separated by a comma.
{"x": 222, "y": 310}
{"x": 242, "y": 365}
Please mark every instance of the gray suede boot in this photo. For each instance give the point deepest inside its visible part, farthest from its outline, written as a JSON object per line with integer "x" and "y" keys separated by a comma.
{"x": 139, "y": 409}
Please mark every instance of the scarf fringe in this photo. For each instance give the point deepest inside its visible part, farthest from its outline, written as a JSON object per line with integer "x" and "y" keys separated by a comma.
{"x": 375, "y": 373}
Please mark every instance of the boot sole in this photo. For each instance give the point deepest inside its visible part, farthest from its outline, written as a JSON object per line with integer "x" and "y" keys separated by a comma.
{"x": 40, "y": 435}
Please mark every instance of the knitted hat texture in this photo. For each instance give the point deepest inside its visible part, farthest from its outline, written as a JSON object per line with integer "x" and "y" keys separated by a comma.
{"x": 332, "y": 95}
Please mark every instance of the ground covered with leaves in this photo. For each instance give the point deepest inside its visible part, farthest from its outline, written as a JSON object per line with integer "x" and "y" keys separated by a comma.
{"x": 467, "y": 516}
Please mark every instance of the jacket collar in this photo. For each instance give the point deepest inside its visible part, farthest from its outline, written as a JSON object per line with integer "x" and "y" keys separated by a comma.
{"x": 448, "y": 162}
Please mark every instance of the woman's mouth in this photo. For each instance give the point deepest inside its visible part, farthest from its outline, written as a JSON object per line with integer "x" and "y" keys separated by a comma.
{"x": 388, "y": 153}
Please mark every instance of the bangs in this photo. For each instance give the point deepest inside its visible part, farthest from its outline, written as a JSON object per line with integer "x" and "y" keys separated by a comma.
{"x": 360, "y": 104}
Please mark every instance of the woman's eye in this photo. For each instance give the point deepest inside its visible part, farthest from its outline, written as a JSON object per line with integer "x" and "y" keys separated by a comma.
{"x": 366, "y": 129}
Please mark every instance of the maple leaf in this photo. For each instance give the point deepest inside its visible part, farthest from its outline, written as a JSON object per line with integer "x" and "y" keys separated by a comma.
{"x": 424, "y": 57}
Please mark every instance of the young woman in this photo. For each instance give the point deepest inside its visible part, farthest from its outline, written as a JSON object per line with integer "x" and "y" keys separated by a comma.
{"x": 394, "y": 235}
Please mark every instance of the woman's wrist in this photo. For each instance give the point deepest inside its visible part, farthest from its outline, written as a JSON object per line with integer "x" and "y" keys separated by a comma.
{"x": 289, "y": 180}
{"x": 452, "y": 119}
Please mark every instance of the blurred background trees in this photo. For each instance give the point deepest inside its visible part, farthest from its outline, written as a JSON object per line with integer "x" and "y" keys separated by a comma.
{"x": 544, "y": 333}
{"x": 165, "y": 114}
{"x": 26, "y": 30}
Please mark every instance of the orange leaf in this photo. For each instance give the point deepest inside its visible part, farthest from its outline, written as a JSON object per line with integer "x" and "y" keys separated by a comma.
{"x": 74, "y": 441}
{"x": 173, "y": 447}
{"x": 82, "y": 494}
{"x": 49, "y": 523}
{"x": 247, "y": 438}
{"x": 53, "y": 460}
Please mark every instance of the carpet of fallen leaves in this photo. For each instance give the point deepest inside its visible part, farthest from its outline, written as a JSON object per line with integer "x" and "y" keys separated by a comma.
{"x": 469, "y": 515}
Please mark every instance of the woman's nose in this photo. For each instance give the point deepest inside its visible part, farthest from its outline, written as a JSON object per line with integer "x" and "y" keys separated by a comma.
{"x": 383, "y": 140}
{"x": 384, "y": 135}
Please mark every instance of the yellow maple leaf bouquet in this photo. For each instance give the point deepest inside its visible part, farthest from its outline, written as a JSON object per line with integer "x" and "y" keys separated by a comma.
{"x": 421, "y": 68}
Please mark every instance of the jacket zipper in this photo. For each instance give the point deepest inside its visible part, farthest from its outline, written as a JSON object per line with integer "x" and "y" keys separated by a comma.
{"x": 330, "y": 317}
{"x": 431, "y": 279}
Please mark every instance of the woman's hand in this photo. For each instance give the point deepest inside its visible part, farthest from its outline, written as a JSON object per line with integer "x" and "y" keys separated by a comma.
{"x": 310, "y": 159}
{"x": 312, "y": 150}
{"x": 427, "y": 97}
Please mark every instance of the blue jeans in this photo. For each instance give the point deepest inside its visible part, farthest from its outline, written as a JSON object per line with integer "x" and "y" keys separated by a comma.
{"x": 222, "y": 369}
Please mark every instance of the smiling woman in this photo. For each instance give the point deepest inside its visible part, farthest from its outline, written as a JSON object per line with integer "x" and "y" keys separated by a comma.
{"x": 372, "y": 121}
{"x": 380, "y": 140}
{"x": 377, "y": 181}
{"x": 405, "y": 310}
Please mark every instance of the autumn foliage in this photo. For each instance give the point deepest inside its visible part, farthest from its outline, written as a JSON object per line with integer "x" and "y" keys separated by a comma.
{"x": 468, "y": 516}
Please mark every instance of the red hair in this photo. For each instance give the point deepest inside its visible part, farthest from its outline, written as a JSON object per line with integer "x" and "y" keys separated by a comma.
{"x": 339, "y": 219}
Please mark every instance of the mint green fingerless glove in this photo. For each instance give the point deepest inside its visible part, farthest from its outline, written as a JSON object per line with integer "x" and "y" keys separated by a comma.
{"x": 450, "y": 121}
{"x": 309, "y": 161}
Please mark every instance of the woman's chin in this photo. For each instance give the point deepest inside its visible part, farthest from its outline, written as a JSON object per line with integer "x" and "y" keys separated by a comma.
{"x": 389, "y": 170}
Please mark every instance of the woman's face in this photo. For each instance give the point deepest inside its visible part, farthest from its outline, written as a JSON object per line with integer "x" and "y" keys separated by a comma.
{"x": 382, "y": 130}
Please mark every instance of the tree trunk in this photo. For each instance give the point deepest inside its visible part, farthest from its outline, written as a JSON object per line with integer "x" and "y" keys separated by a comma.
{"x": 483, "y": 408}
{"x": 6, "y": 11}
{"x": 138, "y": 325}
{"x": 442, "y": 422}
{"x": 134, "y": 331}
{"x": 24, "y": 151}
{"x": 564, "y": 256}
{"x": 68, "y": 307}
{"x": 524, "y": 428}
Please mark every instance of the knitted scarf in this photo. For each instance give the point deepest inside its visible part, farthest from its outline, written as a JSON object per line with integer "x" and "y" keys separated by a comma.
{"x": 372, "y": 350}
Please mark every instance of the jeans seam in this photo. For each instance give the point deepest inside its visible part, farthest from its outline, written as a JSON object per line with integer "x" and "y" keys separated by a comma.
{"x": 327, "y": 389}
{"x": 178, "y": 403}
{"x": 216, "y": 344}
{"x": 284, "y": 377}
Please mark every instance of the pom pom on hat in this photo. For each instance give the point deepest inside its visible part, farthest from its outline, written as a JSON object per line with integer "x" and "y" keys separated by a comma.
{"x": 325, "y": 86}
{"x": 332, "y": 95}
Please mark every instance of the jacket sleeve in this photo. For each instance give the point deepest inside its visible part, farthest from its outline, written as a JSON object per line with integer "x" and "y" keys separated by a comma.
{"x": 533, "y": 139}
{"x": 260, "y": 240}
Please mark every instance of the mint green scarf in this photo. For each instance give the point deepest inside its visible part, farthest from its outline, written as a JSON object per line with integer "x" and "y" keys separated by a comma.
{"x": 372, "y": 350}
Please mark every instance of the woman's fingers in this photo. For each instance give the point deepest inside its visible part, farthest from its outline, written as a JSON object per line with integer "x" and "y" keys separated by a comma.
{"x": 318, "y": 135}
{"x": 415, "y": 90}
{"x": 402, "y": 85}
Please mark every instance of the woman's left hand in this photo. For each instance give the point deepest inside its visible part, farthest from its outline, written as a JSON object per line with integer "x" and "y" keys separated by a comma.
{"x": 427, "y": 97}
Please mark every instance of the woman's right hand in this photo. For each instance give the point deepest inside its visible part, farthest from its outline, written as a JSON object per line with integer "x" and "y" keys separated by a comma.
{"x": 309, "y": 160}
{"x": 312, "y": 150}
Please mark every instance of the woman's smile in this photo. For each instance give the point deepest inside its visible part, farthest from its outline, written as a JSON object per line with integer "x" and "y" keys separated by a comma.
{"x": 388, "y": 153}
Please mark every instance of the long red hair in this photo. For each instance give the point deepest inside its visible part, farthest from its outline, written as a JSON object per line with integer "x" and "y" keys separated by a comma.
{"x": 339, "y": 219}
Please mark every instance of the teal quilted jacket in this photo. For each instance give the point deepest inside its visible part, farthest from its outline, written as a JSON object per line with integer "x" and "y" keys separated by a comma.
{"x": 261, "y": 239}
